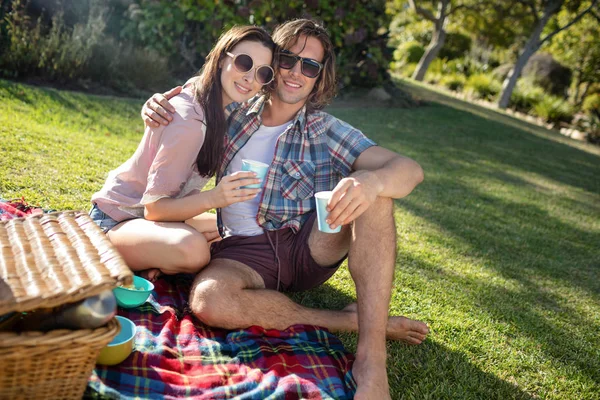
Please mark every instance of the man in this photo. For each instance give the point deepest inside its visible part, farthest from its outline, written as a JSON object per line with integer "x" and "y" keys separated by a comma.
{"x": 272, "y": 242}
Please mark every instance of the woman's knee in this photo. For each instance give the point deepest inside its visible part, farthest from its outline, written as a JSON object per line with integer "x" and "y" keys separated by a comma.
{"x": 194, "y": 253}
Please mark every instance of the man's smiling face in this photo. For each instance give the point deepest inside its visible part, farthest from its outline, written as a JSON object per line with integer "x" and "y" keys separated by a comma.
{"x": 292, "y": 86}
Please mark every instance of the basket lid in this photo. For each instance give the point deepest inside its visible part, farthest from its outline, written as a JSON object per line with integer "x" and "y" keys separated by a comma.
{"x": 52, "y": 259}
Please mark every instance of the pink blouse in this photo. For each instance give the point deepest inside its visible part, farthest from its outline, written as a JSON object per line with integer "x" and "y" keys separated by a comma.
{"x": 164, "y": 164}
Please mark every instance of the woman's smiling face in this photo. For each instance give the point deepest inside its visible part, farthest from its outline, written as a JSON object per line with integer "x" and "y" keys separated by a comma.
{"x": 240, "y": 86}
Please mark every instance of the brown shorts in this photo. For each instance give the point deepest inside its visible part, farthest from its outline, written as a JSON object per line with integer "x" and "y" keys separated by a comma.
{"x": 299, "y": 271}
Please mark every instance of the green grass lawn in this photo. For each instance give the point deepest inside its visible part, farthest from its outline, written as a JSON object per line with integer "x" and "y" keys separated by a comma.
{"x": 498, "y": 249}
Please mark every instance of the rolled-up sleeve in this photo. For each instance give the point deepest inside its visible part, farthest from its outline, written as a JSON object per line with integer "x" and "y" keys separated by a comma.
{"x": 345, "y": 144}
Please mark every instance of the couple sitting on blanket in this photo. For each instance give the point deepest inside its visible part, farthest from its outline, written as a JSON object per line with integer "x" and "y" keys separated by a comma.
{"x": 153, "y": 207}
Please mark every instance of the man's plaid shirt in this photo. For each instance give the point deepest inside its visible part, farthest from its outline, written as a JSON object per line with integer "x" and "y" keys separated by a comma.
{"x": 314, "y": 153}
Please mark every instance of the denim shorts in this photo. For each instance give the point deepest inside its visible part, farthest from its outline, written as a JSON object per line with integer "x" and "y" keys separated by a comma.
{"x": 105, "y": 222}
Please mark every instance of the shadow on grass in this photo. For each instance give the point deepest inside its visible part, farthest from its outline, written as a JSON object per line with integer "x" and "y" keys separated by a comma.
{"x": 15, "y": 91}
{"x": 324, "y": 296}
{"x": 476, "y": 139}
{"x": 430, "y": 370}
{"x": 512, "y": 238}
{"x": 433, "y": 371}
{"x": 487, "y": 113}
{"x": 99, "y": 111}
{"x": 451, "y": 128}
{"x": 519, "y": 239}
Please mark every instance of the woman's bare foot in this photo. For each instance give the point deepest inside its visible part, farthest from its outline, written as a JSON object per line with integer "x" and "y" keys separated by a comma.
{"x": 404, "y": 329}
{"x": 151, "y": 274}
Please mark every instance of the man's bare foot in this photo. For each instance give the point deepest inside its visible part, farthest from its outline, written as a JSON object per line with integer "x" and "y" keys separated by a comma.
{"x": 371, "y": 380}
{"x": 404, "y": 329}
{"x": 151, "y": 274}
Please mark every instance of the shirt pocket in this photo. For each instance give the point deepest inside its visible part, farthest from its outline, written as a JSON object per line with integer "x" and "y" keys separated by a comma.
{"x": 297, "y": 182}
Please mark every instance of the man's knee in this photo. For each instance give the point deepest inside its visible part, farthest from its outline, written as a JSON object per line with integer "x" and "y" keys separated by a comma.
{"x": 382, "y": 209}
{"x": 215, "y": 294}
{"x": 206, "y": 302}
{"x": 382, "y": 205}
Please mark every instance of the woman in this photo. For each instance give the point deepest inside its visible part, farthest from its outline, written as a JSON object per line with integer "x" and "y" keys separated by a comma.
{"x": 152, "y": 207}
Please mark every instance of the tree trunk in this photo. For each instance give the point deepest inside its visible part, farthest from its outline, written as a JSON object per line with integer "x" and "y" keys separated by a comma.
{"x": 576, "y": 84}
{"x": 438, "y": 38}
{"x": 437, "y": 42}
{"x": 532, "y": 45}
{"x": 584, "y": 94}
{"x": 511, "y": 79}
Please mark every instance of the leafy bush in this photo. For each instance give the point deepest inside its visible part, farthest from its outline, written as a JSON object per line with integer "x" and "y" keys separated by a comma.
{"x": 406, "y": 70}
{"x": 405, "y": 28}
{"x": 77, "y": 54}
{"x": 437, "y": 66}
{"x": 591, "y": 124}
{"x": 435, "y": 71}
{"x": 182, "y": 32}
{"x": 482, "y": 86}
{"x": 54, "y": 52}
{"x": 124, "y": 67}
{"x": 548, "y": 73}
{"x": 526, "y": 95}
{"x": 501, "y": 72}
{"x": 466, "y": 65}
{"x": 186, "y": 30}
{"x": 453, "y": 81}
{"x": 409, "y": 52}
{"x": 554, "y": 109}
{"x": 432, "y": 77}
{"x": 591, "y": 104}
{"x": 456, "y": 45}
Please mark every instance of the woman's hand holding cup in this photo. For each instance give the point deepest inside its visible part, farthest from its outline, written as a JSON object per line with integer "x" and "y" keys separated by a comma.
{"x": 230, "y": 191}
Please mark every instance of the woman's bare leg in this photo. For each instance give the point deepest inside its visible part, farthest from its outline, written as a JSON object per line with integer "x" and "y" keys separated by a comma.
{"x": 171, "y": 247}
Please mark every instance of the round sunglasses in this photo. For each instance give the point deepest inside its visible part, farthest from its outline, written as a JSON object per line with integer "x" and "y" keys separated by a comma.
{"x": 243, "y": 63}
{"x": 309, "y": 67}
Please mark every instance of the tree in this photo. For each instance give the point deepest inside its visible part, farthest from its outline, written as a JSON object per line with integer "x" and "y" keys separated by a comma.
{"x": 579, "y": 49}
{"x": 440, "y": 19}
{"x": 549, "y": 8}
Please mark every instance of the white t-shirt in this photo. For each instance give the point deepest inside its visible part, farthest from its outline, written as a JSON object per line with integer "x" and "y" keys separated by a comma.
{"x": 239, "y": 219}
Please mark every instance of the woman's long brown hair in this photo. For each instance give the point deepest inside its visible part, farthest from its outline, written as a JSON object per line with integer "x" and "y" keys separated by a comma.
{"x": 207, "y": 92}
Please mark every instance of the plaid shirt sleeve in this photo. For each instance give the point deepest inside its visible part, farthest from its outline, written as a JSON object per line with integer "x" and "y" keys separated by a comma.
{"x": 345, "y": 144}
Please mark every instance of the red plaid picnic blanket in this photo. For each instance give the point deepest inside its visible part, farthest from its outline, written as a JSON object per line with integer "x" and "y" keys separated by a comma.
{"x": 175, "y": 356}
{"x": 17, "y": 209}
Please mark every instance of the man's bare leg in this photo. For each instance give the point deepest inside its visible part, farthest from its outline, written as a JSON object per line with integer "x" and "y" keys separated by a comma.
{"x": 327, "y": 249}
{"x": 371, "y": 261}
{"x": 228, "y": 294}
{"x": 231, "y": 295}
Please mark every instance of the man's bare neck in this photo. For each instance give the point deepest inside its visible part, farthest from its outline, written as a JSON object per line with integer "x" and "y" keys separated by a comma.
{"x": 278, "y": 113}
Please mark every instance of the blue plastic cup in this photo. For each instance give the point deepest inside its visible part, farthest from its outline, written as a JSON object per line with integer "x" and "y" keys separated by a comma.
{"x": 322, "y": 198}
{"x": 260, "y": 169}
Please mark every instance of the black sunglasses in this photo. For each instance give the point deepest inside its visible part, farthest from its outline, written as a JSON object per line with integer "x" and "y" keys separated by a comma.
{"x": 243, "y": 63}
{"x": 309, "y": 67}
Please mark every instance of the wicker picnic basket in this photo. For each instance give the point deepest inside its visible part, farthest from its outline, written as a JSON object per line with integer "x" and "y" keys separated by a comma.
{"x": 48, "y": 261}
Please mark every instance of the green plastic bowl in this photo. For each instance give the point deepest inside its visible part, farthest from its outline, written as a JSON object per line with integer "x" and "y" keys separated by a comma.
{"x": 130, "y": 298}
{"x": 121, "y": 346}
